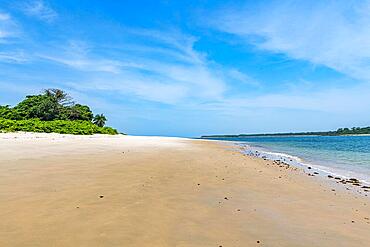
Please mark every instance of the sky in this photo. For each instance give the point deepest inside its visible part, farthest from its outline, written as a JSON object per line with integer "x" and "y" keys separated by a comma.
{"x": 191, "y": 68}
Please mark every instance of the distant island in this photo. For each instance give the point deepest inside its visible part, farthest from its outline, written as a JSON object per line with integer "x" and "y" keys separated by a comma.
{"x": 338, "y": 132}
{"x": 52, "y": 111}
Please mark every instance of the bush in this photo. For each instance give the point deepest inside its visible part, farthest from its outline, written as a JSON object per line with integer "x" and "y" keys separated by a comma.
{"x": 77, "y": 127}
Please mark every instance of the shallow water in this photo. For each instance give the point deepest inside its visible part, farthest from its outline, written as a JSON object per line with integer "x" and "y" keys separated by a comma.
{"x": 347, "y": 156}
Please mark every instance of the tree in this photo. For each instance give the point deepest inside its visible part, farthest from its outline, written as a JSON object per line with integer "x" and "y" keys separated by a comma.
{"x": 100, "y": 120}
{"x": 38, "y": 106}
{"x": 47, "y": 110}
{"x": 7, "y": 112}
{"x": 52, "y": 104}
{"x": 59, "y": 96}
{"x": 77, "y": 112}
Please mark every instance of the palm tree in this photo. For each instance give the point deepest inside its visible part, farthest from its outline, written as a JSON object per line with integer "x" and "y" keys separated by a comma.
{"x": 99, "y": 120}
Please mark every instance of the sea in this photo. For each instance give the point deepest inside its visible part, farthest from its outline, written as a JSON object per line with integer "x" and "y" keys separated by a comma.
{"x": 345, "y": 156}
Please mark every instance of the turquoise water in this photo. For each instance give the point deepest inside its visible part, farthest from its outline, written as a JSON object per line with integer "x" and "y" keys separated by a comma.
{"x": 348, "y": 156}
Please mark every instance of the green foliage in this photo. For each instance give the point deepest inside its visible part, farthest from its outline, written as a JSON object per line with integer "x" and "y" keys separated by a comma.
{"x": 353, "y": 131}
{"x": 76, "y": 127}
{"x": 77, "y": 112}
{"x": 53, "y": 104}
{"x": 8, "y": 113}
{"x": 38, "y": 106}
{"x": 99, "y": 120}
{"x": 59, "y": 96}
{"x": 52, "y": 111}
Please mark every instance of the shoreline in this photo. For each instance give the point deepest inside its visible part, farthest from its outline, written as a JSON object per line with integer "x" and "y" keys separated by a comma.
{"x": 351, "y": 183}
{"x": 345, "y": 175}
{"x": 67, "y": 190}
{"x": 326, "y": 172}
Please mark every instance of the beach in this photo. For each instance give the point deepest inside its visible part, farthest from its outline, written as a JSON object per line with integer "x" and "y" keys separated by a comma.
{"x": 347, "y": 157}
{"x": 100, "y": 190}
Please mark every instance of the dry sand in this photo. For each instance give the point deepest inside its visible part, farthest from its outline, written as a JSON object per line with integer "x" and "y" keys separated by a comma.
{"x": 60, "y": 190}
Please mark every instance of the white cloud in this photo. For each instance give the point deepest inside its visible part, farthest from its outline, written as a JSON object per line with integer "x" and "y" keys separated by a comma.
{"x": 177, "y": 74}
{"x": 8, "y": 28}
{"x": 341, "y": 101}
{"x": 13, "y": 57}
{"x": 242, "y": 77}
{"x": 40, "y": 10}
{"x": 335, "y": 34}
{"x": 86, "y": 64}
{"x": 76, "y": 54}
{"x": 135, "y": 86}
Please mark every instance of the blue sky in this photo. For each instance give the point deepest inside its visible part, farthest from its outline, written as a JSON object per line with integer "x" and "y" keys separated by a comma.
{"x": 186, "y": 69}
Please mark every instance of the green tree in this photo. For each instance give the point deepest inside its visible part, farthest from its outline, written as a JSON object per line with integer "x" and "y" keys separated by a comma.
{"x": 77, "y": 112}
{"x": 8, "y": 113}
{"x": 59, "y": 96}
{"x": 38, "y": 106}
{"x": 51, "y": 105}
{"x": 100, "y": 120}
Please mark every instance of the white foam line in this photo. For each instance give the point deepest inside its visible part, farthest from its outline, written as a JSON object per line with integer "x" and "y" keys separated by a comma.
{"x": 299, "y": 162}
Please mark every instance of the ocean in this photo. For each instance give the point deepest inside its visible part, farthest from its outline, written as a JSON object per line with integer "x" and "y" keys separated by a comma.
{"x": 346, "y": 156}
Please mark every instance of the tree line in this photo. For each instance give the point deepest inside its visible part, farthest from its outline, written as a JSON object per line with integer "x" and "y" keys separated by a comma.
{"x": 338, "y": 132}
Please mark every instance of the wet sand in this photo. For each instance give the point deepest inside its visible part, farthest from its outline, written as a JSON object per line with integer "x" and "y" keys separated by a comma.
{"x": 60, "y": 190}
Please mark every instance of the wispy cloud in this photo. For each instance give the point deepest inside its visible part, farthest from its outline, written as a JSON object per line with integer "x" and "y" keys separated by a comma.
{"x": 335, "y": 34}
{"x": 39, "y": 9}
{"x": 243, "y": 77}
{"x": 329, "y": 100}
{"x": 8, "y": 28}
{"x": 178, "y": 73}
{"x": 77, "y": 55}
{"x": 13, "y": 57}
{"x": 85, "y": 64}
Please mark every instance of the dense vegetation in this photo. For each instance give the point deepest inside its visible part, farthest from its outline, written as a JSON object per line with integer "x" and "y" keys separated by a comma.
{"x": 52, "y": 111}
{"x": 340, "y": 131}
{"x": 76, "y": 127}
